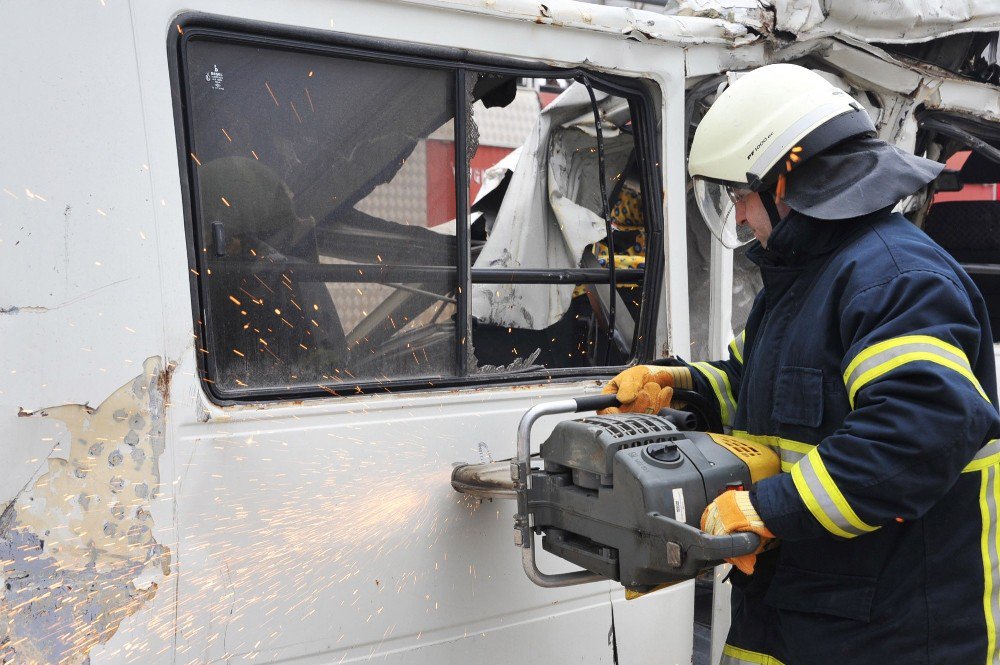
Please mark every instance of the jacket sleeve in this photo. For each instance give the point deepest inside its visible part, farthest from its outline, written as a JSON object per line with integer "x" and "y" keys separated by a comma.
{"x": 719, "y": 380}
{"x": 918, "y": 414}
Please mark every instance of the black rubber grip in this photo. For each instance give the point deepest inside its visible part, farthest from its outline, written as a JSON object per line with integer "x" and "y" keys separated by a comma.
{"x": 595, "y": 402}
{"x": 682, "y": 420}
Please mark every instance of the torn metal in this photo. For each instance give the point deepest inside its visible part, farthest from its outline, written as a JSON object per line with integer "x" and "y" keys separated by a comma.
{"x": 555, "y": 170}
{"x": 76, "y": 545}
{"x": 889, "y": 21}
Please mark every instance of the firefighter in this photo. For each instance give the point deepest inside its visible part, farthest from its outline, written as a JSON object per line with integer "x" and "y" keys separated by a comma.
{"x": 867, "y": 364}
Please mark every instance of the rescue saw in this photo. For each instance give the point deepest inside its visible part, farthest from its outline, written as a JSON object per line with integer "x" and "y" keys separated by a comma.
{"x": 621, "y": 496}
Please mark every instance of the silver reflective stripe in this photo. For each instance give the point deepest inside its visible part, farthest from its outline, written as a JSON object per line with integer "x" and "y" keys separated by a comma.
{"x": 783, "y": 143}
{"x": 826, "y": 502}
{"x": 988, "y": 455}
{"x": 991, "y": 560}
{"x": 991, "y": 448}
{"x": 722, "y": 389}
{"x": 789, "y": 457}
{"x": 901, "y": 350}
{"x": 733, "y": 660}
{"x": 737, "y": 346}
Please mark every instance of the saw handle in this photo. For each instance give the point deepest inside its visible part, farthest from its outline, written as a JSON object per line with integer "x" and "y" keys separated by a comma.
{"x": 595, "y": 402}
{"x": 704, "y": 546}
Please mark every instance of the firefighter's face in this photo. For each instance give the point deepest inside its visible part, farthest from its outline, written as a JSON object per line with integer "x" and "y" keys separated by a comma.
{"x": 750, "y": 211}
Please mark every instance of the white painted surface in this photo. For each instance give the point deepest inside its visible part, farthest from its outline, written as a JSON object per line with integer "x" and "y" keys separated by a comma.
{"x": 324, "y": 531}
{"x": 320, "y": 532}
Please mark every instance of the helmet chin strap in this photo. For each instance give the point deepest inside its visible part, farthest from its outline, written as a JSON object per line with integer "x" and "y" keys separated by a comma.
{"x": 767, "y": 199}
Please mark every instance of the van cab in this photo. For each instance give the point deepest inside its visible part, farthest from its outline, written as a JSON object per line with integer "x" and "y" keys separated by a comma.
{"x": 272, "y": 268}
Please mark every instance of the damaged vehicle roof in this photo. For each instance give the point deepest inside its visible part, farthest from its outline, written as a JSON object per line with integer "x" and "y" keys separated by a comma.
{"x": 889, "y": 21}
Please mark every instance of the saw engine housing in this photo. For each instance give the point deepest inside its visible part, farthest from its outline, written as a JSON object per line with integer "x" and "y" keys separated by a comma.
{"x": 622, "y": 496}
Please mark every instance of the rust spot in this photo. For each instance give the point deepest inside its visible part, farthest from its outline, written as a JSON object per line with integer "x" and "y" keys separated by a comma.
{"x": 21, "y": 413}
{"x": 163, "y": 379}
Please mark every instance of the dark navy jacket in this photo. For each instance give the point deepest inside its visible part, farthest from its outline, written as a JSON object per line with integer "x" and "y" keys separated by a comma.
{"x": 867, "y": 363}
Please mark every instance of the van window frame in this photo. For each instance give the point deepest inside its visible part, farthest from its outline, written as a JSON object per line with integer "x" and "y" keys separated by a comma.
{"x": 196, "y": 25}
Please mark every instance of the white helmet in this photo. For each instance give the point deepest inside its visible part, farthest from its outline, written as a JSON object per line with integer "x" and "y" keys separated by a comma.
{"x": 767, "y": 122}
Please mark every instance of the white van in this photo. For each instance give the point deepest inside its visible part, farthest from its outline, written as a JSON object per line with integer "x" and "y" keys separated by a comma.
{"x": 269, "y": 269}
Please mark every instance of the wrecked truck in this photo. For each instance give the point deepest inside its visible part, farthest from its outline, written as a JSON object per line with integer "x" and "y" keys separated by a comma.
{"x": 270, "y": 269}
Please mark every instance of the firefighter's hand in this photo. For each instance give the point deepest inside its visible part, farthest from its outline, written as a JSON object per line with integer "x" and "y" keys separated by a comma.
{"x": 732, "y": 512}
{"x": 645, "y": 388}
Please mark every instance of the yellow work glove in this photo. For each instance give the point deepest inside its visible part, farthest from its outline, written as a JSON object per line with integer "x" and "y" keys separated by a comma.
{"x": 649, "y": 399}
{"x": 732, "y": 512}
{"x": 646, "y": 388}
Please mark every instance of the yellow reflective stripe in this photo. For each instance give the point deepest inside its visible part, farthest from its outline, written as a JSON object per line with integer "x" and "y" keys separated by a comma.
{"x": 891, "y": 343}
{"x": 890, "y": 365}
{"x": 987, "y": 456}
{"x": 881, "y": 358}
{"x": 735, "y": 656}
{"x": 789, "y": 451}
{"x": 989, "y": 499}
{"x": 824, "y": 499}
{"x": 736, "y": 346}
{"x": 719, "y": 381}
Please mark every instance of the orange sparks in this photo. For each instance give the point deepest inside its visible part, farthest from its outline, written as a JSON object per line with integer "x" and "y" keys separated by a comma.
{"x": 227, "y": 134}
{"x": 241, "y": 355}
{"x": 195, "y": 158}
{"x": 235, "y": 300}
{"x": 268, "y": 86}
{"x": 310, "y": 100}
{"x": 225, "y": 201}
{"x": 254, "y": 153}
{"x": 296, "y": 112}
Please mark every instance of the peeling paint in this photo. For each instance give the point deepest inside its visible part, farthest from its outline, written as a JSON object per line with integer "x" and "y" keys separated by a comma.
{"x": 77, "y": 548}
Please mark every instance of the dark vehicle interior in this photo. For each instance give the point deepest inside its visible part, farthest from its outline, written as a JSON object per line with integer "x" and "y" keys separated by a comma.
{"x": 315, "y": 271}
{"x": 968, "y": 225}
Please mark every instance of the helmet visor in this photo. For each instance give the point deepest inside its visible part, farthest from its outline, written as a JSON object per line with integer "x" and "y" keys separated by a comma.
{"x": 717, "y": 204}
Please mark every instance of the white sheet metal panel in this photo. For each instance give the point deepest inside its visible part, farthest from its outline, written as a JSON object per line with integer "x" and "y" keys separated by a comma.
{"x": 655, "y": 628}
{"x": 323, "y": 531}
{"x": 81, "y": 312}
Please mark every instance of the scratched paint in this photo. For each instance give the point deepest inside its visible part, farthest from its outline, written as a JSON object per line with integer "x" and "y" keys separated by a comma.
{"x": 77, "y": 549}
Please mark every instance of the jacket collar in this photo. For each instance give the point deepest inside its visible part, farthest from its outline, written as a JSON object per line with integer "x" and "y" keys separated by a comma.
{"x": 798, "y": 239}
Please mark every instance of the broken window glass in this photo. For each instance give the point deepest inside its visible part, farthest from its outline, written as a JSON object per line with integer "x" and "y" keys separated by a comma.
{"x": 537, "y": 205}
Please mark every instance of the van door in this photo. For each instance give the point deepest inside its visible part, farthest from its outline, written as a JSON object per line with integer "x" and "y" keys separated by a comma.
{"x": 382, "y": 244}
